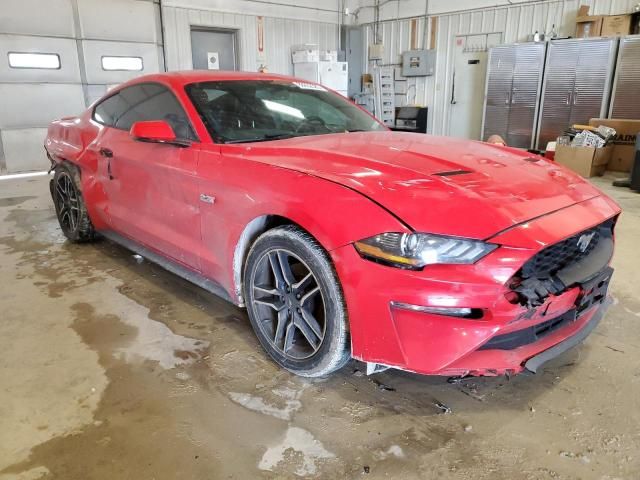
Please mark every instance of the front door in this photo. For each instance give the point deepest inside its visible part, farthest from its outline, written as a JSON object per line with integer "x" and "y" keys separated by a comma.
{"x": 151, "y": 188}
{"x": 214, "y": 49}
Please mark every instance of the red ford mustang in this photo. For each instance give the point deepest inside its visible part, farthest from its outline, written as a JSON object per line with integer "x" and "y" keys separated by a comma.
{"x": 342, "y": 239}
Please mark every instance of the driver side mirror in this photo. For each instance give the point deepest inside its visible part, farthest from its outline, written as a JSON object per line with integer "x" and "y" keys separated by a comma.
{"x": 156, "y": 131}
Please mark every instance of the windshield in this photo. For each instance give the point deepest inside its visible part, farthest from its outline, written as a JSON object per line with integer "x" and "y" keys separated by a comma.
{"x": 262, "y": 110}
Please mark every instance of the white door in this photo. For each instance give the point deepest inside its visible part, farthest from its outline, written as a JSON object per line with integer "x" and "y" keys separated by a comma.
{"x": 468, "y": 84}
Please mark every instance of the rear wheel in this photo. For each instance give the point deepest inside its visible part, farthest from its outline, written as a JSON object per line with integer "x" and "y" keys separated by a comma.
{"x": 295, "y": 303}
{"x": 70, "y": 208}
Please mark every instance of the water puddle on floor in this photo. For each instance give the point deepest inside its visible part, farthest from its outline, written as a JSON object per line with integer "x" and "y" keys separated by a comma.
{"x": 156, "y": 342}
{"x": 298, "y": 447}
{"x": 287, "y": 395}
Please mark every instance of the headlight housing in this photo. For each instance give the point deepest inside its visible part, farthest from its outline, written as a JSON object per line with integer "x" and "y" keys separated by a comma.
{"x": 416, "y": 250}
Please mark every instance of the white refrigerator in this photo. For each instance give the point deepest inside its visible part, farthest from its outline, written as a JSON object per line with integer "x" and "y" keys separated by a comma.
{"x": 333, "y": 75}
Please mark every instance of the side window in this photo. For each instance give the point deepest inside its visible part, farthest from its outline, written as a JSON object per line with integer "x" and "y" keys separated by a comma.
{"x": 108, "y": 111}
{"x": 153, "y": 102}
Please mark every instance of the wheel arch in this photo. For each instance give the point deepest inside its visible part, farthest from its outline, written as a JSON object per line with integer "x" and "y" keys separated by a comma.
{"x": 250, "y": 233}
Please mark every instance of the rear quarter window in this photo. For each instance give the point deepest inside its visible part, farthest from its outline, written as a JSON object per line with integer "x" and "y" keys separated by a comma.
{"x": 144, "y": 102}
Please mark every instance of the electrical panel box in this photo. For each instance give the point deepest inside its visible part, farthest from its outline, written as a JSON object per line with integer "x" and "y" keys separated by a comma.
{"x": 376, "y": 51}
{"x": 418, "y": 63}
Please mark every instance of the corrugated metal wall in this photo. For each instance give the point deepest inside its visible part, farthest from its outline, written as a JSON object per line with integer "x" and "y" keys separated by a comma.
{"x": 514, "y": 22}
{"x": 80, "y": 32}
{"x": 279, "y": 35}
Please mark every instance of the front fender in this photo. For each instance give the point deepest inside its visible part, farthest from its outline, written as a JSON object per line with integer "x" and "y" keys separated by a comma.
{"x": 244, "y": 191}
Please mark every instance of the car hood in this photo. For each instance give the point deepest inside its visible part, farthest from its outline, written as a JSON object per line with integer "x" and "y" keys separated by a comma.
{"x": 434, "y": 184}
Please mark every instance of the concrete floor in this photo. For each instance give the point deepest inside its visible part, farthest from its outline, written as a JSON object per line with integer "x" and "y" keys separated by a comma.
{"x": 114, "y": 369}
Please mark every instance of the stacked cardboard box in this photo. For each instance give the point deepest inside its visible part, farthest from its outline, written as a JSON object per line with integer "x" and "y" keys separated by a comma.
{"x": 601, "y": 25}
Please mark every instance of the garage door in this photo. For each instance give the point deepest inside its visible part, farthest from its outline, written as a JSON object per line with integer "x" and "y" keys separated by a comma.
{"x": 55, "y": 61}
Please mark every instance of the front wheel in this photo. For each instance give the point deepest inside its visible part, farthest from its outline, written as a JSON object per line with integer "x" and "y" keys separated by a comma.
{"x": 295, "y": 303}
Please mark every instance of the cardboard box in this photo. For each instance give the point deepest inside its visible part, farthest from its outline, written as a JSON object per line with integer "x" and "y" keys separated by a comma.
{"x": 589, "y": 26}
{"x": 586, "y": 161}
{"x": 613, "y": 25}
{"x": 624, "y": 143}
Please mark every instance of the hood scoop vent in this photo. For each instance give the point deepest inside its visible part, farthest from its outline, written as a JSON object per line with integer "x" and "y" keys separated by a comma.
{"x": 452, "y": 173}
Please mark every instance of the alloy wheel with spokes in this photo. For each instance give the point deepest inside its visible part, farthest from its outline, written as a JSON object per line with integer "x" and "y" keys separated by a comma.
{"x": 68, "y": 202}
{"x": 292, "y": 312}
{"x": 295, "y": 302}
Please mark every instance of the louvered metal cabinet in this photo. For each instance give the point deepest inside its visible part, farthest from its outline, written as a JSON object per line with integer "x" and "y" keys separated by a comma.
{"x": 576, "y": 86}
{"x": 512, "y": 93}
{"x": 625, "y": 101}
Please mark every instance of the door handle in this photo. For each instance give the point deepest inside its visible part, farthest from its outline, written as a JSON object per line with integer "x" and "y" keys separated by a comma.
{"x": 575, "y": 97}
{"x": 569, "y": 97}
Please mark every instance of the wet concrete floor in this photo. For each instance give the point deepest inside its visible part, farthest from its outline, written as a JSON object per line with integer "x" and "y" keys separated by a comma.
{"x": 112, "y": 368}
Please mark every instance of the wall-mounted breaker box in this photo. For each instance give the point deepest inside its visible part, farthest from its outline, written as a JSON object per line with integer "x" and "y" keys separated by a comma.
{"x": 376, "y": 51}
{"x": 418, "y": 63}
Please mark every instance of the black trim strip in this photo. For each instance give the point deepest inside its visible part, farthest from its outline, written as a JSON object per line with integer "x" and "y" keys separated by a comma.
{"x": 534, "y": 363}
{"x": 170, "y": 265}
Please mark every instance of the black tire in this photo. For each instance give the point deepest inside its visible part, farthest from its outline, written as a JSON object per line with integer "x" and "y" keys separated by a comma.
{"x": 70, "y": 207}
{"x": 313, "y": 338}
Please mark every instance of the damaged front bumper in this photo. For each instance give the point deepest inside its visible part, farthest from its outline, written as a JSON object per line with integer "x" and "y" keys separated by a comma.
{"x": 515, "y": 326}
{"x": 534, "y": 363}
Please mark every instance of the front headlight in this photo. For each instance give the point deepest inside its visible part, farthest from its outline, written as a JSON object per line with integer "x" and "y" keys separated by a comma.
{"x": 415, "y": 250}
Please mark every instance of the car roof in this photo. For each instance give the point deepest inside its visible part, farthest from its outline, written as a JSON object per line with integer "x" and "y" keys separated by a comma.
{"x": 184, "y": 77}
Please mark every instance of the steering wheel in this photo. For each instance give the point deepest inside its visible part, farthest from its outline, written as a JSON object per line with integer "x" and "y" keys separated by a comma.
{"x": 311, "y": 123}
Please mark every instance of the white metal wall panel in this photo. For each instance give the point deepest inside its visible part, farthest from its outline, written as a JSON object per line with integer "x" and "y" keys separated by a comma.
{"x": 279, "y": 35}
{"x": 121, "y": 20}
{"x": 51, "y": 18}
{"x": 95, "y": 50}
{"x": 24, "y": 149}
{"x": 69, "y": 71}
{"x": 311, "y": 10}
{"x": 94, "y": 92}
{"x": 31, "y": 98}
{"x": 36, "y": 104}
{"x": 515, "y": 22}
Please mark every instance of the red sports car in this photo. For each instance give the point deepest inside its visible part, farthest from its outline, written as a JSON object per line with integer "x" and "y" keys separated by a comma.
{"x": 342, "y": 239}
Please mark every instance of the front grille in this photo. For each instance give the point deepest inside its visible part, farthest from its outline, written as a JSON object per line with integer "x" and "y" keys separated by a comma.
{"x": 562, "y": 254}
{"x": 561, "y": 265}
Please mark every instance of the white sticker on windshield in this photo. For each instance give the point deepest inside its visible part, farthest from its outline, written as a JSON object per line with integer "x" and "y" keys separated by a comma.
{"x": 309, "y": 86}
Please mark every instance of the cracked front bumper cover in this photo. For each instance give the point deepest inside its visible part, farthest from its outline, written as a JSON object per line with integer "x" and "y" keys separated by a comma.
{"x": 534, "y": 363}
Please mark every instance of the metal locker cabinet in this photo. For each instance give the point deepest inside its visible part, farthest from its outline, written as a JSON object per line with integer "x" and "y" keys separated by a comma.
{"x": 625, "y": 101}
{"x": 512, "y": 92}
{"x": 525, "y": 94}
{"x": 495, "y": 120}
{"x": 576, "y": 85}
{"x": 558, "y": 83}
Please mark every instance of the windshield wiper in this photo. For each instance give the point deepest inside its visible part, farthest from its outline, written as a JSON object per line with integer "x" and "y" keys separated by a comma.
{"x": 266, "y": 138}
